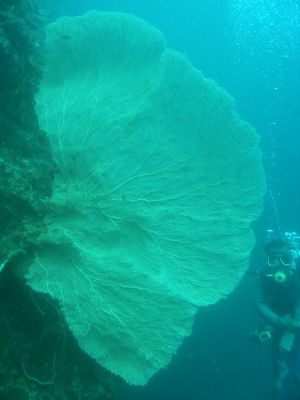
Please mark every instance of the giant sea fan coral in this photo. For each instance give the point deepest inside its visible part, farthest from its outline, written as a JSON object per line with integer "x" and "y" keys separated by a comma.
{"x": 158, "y": 183}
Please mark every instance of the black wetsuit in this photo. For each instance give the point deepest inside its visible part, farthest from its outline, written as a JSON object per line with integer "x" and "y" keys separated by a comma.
{"x": 283, "y": 298}
{"x": 277, "y": 300}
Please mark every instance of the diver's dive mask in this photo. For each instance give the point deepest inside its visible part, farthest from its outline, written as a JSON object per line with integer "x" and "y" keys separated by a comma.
{"x": 283, "y": 260}
{"x": 280, "y": 267}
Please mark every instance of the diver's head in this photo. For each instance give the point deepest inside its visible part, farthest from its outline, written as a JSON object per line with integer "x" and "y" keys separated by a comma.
{"x": 278, "y": 253}
{"x": 280, "y": 260}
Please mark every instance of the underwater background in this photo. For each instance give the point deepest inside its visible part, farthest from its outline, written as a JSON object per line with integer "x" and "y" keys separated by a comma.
{"x": 251, "y": 48}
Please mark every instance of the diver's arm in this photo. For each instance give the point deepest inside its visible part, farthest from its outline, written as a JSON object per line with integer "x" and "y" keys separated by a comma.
{"x": 296, "y": 318}
{"x": 285, "y": 322}
{"x": 269, "y": 315}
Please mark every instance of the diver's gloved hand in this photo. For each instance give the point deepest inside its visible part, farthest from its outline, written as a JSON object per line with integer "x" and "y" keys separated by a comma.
{"x": 296, "y": 326}
{"x": 289, "y": 324}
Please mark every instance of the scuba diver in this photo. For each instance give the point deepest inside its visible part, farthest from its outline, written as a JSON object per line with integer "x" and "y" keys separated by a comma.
{"x": 278, "y": 303}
